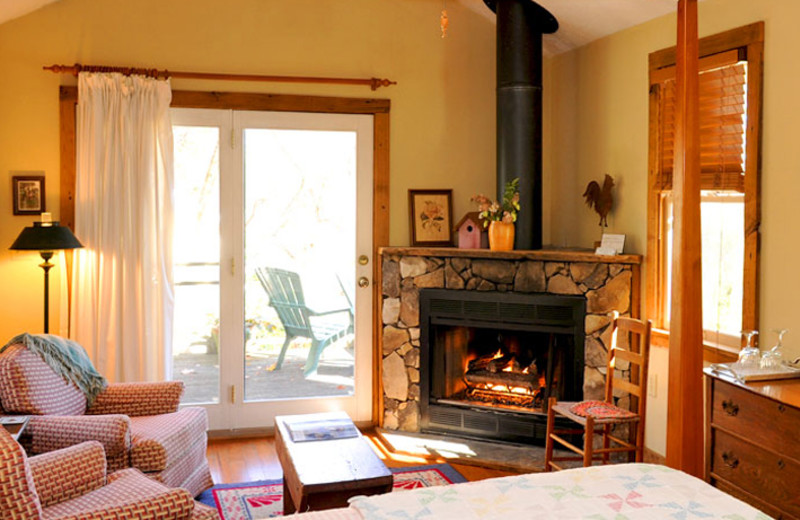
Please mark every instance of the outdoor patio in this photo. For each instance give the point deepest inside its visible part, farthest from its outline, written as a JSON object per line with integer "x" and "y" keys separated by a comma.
{"x": 200, "y": 373}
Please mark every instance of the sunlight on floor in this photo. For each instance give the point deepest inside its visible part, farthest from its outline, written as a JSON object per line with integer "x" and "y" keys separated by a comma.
{"x": 385, "y": 453}
{"x": 429, "y": 447}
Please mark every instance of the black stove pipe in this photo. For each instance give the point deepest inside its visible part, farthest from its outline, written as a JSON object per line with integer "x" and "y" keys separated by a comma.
{"x": 520, "y": 26}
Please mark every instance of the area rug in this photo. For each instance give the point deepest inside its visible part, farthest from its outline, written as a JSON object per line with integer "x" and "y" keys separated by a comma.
{"x": 264, "y": 498}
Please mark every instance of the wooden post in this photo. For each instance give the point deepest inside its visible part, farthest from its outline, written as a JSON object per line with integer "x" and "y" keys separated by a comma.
{"x": 685, "y": 393}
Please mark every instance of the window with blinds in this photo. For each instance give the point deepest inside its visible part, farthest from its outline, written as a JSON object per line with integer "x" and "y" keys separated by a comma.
{"x": 723, "y": 109}
{"x": 730, "y": 98}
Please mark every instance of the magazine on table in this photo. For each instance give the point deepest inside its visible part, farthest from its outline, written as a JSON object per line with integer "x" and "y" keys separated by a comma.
{"x": 13, "y": 419}
{"x": 14, "y": 424}
{"x": 321, "y": 429}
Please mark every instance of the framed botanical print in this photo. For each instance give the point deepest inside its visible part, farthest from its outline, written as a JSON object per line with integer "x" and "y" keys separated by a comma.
{"x": 28, "y": 193}
{"x": 431, "y": 213}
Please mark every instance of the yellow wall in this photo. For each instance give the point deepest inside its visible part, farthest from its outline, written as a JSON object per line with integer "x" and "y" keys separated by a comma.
{"x": 600, "y": 105}
{"x": 442, "y": 121}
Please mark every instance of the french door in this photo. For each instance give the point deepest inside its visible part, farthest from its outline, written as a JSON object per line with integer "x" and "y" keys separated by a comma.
{"x": 273, "y": 233}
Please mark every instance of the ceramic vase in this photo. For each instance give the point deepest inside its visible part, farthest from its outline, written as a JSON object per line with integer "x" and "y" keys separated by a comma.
{"x": 501, "y": 236}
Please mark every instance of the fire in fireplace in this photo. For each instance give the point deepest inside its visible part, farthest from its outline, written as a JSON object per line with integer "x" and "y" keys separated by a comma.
{"x": 490, "y": 360}
{"x": 499, "y": 379}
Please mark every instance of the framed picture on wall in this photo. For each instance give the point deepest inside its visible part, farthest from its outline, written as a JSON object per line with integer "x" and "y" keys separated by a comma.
{"x": 431, "y": 213}
{"x": 28, "y": 193}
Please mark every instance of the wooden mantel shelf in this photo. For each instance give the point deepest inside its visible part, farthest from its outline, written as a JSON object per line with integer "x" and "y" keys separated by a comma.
{"x": 547, "y": 255}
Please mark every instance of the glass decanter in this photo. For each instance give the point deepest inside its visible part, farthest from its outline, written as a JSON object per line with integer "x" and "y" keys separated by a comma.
{"x": 773, "y": 358}
{"x": 750, "y": 355}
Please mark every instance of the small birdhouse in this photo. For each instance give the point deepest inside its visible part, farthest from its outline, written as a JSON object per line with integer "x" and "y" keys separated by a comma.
{"x": 470, "y": 231}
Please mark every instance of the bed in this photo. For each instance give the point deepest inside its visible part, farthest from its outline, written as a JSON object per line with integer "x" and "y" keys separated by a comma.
{"x": 618, "y": 492}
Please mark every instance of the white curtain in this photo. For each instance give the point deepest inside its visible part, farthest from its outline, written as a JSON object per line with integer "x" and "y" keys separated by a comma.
{"x": 122, "y": 303}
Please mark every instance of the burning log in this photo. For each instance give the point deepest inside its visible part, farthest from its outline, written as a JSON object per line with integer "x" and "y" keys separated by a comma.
{"x": 492, "y": 362}
{"x": 491, "y": 397}
{"x": 529, "y": 382}
{"x": 501, "y": 363}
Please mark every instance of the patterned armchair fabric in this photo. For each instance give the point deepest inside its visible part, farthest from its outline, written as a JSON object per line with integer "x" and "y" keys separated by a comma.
{"x": 18, "y": 498}
{"x": 69, "y": 473}
{"x": 71, "y": 484}
{"x": 52, "y": 432}
{"x": 138, "y": 424}
{"x": 29, "y": 386}
{"x": 135, "y": 399}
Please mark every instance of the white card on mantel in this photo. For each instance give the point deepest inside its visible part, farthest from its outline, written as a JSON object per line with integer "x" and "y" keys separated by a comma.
{"x": 611, "y": 245}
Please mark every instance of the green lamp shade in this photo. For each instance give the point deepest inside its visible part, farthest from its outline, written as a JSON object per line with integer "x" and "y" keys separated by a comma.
{"x": 47, "y": 237}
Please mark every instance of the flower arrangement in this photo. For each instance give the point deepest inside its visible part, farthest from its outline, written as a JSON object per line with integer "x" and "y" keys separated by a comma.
{"x": 494, "y": 210}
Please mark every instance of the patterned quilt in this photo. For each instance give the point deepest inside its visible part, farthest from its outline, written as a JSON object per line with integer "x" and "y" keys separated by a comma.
{"x": 618, "y": 492}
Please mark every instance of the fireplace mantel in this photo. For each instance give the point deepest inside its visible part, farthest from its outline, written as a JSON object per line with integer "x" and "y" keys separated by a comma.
{"x": 546, "y": 255}
{"x": 609, "y": 283}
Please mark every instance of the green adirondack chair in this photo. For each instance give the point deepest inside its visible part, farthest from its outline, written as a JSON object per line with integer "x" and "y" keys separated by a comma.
{"x": 285, "y": 293}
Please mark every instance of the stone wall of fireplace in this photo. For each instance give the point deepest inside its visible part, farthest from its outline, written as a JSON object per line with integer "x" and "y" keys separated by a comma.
{"x": 607, "y": 283}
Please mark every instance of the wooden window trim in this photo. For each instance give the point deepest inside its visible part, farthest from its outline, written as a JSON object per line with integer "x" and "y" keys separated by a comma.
{"x": 659, "y": 338}
{"x": 750, "y": 40}
{"x": 379, "y": 108}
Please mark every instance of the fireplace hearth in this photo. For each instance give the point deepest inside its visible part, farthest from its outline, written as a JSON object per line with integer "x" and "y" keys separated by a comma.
{"x": 490, "y": 360}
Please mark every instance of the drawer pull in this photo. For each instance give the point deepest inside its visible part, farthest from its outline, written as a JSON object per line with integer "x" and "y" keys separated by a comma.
{"x": 730, "y": 460}
{"x": 730, "y": 407}
{"x": 781, "y": 464}
{"x": 781, "y": 408}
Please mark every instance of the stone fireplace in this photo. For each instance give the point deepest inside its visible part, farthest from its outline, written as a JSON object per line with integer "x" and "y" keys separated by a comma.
{"x": 576, "y": 280}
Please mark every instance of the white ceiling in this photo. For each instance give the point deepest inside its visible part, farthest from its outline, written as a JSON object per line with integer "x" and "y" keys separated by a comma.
{"x": 581, "y": 21}
{"x": 10, "y": 9}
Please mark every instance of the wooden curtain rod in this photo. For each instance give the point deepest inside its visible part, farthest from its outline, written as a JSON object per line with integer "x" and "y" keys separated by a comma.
{"x": 373, "y": 83}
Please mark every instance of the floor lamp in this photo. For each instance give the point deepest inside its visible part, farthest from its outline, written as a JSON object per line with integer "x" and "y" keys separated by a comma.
{"x": 46, "y": 237}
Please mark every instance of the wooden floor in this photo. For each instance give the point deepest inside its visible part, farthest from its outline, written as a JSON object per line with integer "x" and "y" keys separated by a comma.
{"x": 246, "y": 460}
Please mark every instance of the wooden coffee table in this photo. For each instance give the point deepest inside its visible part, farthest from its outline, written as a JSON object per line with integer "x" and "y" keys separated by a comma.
{"x": 323, "y": 474}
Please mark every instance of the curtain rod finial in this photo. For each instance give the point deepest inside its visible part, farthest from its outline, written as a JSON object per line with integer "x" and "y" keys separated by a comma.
{"x": 376, "y": 83}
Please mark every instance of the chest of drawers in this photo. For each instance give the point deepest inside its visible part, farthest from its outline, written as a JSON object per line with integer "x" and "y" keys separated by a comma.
{"x": 753, "y": 448}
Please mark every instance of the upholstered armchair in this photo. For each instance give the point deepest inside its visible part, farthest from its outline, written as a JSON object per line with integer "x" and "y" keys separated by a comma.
{"x": 138, "y": 424}
{"x": 72, "y": 484}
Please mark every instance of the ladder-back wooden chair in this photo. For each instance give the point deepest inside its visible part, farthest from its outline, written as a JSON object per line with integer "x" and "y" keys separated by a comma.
{"x": 598, "y": 417}
{"x": 285, "y": 293}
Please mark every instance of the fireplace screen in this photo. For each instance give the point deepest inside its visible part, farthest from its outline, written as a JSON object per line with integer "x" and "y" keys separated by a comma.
{"x": 490, "y": 360}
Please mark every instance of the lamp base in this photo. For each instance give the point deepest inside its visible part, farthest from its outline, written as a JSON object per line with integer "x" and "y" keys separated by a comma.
{"x": 46, "y": 265}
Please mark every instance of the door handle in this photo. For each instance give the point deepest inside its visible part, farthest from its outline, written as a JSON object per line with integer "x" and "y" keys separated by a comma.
{"x": 363, "y": 282}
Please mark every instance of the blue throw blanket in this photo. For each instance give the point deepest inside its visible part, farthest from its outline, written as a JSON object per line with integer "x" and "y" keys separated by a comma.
{"x": 67, "y": 358}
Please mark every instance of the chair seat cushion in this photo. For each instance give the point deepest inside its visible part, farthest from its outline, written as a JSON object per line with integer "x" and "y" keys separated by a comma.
{"x": 157, "y": 441}
{"x": 177, "y": 473}
{"x": 600, "y": 410}
{"x": 29, "y": 386}
{"x": 125, "y": 492}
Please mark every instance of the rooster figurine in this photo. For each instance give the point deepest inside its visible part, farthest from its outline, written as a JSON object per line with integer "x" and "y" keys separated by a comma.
{"x": 600, "y": 198}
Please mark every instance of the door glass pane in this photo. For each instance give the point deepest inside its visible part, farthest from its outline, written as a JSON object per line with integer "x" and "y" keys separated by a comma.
{"x": 300, "y": 207}
{"x": 196, "y": 253}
